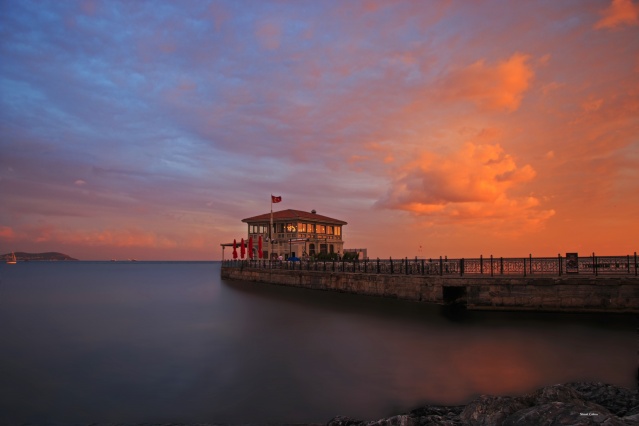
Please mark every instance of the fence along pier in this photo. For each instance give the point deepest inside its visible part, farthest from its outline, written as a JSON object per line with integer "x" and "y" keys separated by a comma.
{"x": 575, "y": 284}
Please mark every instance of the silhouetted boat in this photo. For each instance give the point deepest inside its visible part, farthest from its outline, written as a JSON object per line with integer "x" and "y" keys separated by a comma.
{"x": 12, "y": 259}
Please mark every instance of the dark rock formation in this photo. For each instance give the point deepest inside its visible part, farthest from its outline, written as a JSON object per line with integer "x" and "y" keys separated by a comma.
{"x": 583, "y": 403}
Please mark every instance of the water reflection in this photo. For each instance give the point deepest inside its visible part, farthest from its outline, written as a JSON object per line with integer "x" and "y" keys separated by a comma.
{"x": 173, "y": 343}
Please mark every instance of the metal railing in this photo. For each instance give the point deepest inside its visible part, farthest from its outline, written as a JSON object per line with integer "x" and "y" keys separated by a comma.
{"x": 482, "y": 266}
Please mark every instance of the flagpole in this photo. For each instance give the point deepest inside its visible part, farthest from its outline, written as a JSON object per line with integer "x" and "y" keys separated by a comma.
{"x": 270, "y": 238}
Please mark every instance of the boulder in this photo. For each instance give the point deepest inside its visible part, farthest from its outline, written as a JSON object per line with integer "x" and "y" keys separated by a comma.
{"x": 583, "y": 403}
{"x": 491, "y": 410}
{"x": 617, "y": 400}
{"x": 564, "y": 413}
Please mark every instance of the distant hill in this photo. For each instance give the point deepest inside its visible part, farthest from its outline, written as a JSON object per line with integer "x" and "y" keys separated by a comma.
{"x": 52, "y": 255}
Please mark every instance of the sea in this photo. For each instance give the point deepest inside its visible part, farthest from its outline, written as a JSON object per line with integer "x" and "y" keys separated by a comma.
{"x": 171, "y": 342}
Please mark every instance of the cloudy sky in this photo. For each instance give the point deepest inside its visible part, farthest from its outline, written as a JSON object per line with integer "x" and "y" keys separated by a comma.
{"x": 148, "y": 130}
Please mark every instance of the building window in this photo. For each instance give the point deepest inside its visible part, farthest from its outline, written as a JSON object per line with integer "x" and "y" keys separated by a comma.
{"x": 311, "y": 249}
{"x": 338, "y": 230}
{"x": 329, "y": 230}
{"x": 323, "y": 248}
{"x": 321, "y": 229}
{"x": 290, "y": 227}
{"x": 302, "y": 227}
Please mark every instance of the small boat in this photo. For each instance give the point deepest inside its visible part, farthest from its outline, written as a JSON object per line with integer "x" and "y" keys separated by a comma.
{"x": 12, "y": 259}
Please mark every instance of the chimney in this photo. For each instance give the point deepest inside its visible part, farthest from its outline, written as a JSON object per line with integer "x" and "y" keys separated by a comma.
{"x": 313, "y": 211}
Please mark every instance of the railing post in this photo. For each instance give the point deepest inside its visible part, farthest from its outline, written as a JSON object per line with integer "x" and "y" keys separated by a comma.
{"x": 481, "y": 264}
{"x": 635, "y": 264}
{"x": 594, "y": 263}
{"x": 422, "y": 266}
{"x": 491, "y": 265}
{"x": 501, "y": 265}
{"x": 628, "y": 264}
{"x": 524, "y": 266}
{"x": 561, "y": 264}
{"x": 365, "y": 266}
{"x": 391, "y": 263}
{"x": 378, "y": 265}
{"x": 530, "y": 263}
{"x": 406, "y": 260}
{"x": 461, "y": 267}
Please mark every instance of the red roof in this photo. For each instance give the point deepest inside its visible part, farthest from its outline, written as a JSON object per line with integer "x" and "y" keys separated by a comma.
{"x": 291, "y": 214}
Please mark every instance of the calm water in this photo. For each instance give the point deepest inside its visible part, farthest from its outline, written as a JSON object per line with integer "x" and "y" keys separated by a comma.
{"x": 159, "y": 342}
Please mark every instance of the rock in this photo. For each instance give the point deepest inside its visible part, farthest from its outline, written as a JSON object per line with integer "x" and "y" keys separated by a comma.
{"x": 553, "y": 393}
{"x": 491, "y": 410}
{"x": 617, "y": 400}
{"x": 583, "y": 403}
{"x": 438, "y": 415}
{"x": 403, "y": 420}
{"x": 564, "y": 413}
{"x": 344, "y": 421}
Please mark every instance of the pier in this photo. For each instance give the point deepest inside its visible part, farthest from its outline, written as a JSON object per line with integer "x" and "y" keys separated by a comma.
{"x": 561, "y": 284}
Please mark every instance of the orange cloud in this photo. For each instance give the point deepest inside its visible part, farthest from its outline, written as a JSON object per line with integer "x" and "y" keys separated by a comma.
{"x": 7, "y": 233}
{"x": 498, "y": 88}
{"x": 592, "y": 105}
{"x": 619, "y": 13}
{"x": 471, "y": 184}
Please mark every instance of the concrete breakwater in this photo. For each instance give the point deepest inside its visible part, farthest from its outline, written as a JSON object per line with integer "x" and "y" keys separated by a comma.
{"x": 568, "y": 293}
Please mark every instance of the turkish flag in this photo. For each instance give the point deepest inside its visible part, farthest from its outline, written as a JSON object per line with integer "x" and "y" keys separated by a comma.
{"x": 275, "y": 199}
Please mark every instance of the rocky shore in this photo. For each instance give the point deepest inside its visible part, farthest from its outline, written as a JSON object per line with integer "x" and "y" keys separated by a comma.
{"x": 581, "y": 403}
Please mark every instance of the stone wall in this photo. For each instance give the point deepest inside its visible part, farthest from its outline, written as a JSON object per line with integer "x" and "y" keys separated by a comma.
{"x": 565, "y": 293}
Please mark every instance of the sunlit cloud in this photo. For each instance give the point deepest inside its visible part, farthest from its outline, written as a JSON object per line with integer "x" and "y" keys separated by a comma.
{"x": 619, "y": 13}
{"x": 471, "y": 184}
{"x": 496, "y": 87}
{"x": 158, "y": 126}
{"x": 7, "y": 233}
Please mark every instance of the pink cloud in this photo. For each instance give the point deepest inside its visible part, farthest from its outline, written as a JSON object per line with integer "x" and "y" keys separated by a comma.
{"x": 269, "y": 35}
{"x": 469, "y": 185}
{"x": 619, "y": 13}
{"x": 500, "y": 87}
{"x": 7, "y": 233}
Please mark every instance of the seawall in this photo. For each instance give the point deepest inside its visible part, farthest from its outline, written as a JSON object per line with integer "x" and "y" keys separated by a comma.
{"x": 567, "y": 293}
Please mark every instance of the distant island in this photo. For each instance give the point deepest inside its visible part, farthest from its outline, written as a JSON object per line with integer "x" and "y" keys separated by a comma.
{"x": 25, "y": 257}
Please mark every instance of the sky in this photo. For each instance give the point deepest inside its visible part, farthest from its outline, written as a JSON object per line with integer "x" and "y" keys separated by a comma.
{"x": 150, "y": 129}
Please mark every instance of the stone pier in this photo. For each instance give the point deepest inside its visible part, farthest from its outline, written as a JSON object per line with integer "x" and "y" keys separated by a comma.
{"x": 567, "y": 293}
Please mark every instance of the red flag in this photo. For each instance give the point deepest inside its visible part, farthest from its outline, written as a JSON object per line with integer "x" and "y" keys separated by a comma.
{"x": 259, "y": 247}
{"x": 275, "y": 199}
{"x": 242, "y": 249}
{"x": 234, "y": 249}
{"x": 250, "y": 248}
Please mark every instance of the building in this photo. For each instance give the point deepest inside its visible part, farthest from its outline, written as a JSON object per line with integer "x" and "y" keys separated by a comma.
{"x": 296, "y": 233}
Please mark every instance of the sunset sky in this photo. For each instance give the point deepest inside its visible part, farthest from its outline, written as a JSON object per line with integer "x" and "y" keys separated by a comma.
{"x": 148, "y": 130}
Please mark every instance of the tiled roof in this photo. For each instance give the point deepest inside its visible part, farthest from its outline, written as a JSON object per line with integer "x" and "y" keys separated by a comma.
{"x": 293, "y": 215}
